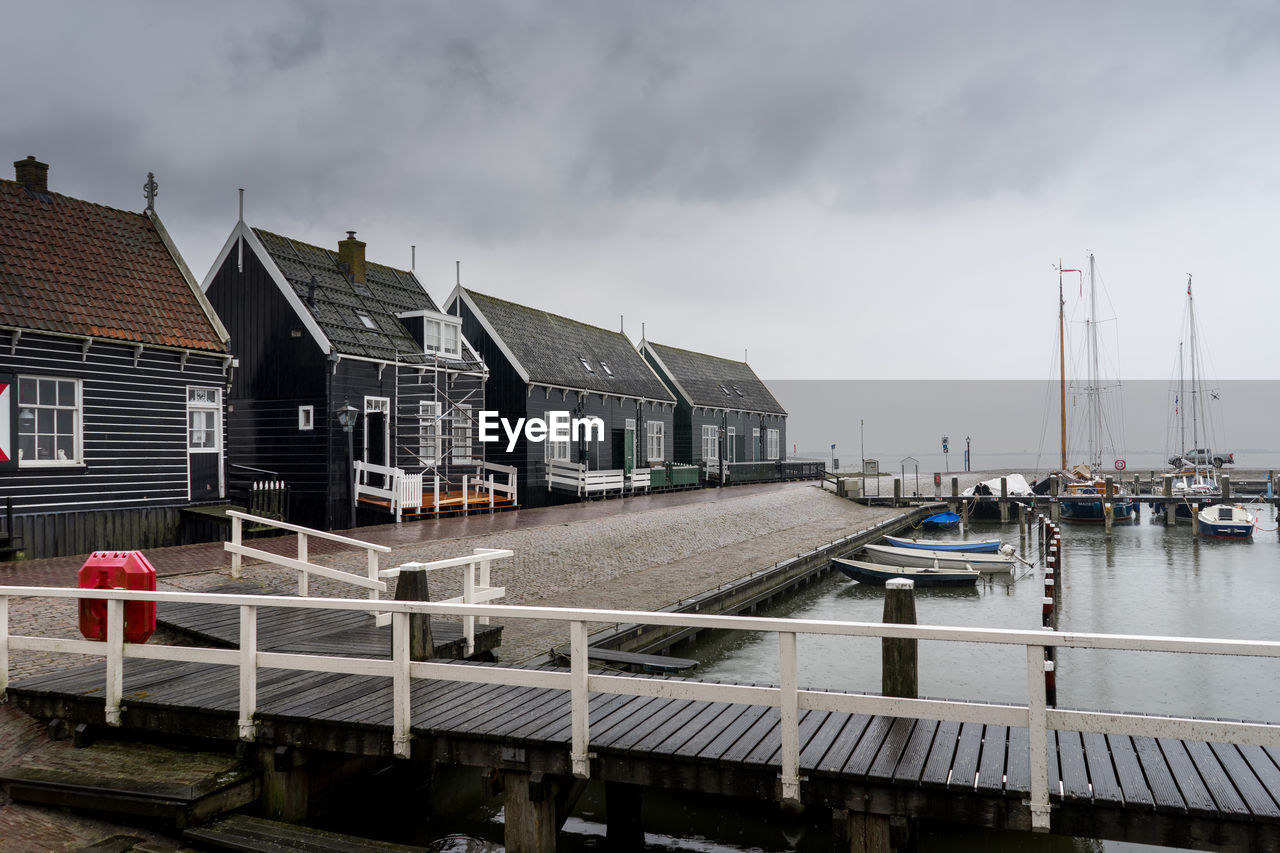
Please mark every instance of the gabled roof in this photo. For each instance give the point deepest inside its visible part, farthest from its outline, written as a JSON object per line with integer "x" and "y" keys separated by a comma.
{"x": 548, "y": 349}
{"x": 335, "y": 303}
{"x": 76, "y": 268}
{"x": 713, "y": 382}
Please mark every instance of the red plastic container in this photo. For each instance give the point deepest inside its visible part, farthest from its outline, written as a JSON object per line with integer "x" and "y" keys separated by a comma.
{"x": 117, "y": 570}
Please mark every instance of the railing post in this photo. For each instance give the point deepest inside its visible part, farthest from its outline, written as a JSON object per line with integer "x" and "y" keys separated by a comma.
{"x": 1038, "y": 732}
{"x": 485, "y": 566}
{"x": 248, "y": 670}
{"x": 115, "y": 659}
{"x": 578, "y": 699}
{"x": 400, "y": 684}
{"x": 4, "y": 643}
{"x": 304, "y": 588}
{"x": 372, "y": 562}
{"x": 469, "y": 597}
{"x": 236, "y": 539}
{"x": 789, "y": 709}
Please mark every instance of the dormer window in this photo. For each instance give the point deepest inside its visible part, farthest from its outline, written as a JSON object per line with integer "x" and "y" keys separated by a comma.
{"x": 607, "y": 371}
{"x": 738, "y": 391}
{"x": 586, "y": 364}
{"x": 725, "y": 390}
{"x": 367, "y": 321}
{"x": 442, "y": 336}
{"x": 362, "y": 288}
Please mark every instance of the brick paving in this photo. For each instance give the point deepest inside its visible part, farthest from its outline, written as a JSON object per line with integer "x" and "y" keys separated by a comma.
{"x": 641, "y": 553}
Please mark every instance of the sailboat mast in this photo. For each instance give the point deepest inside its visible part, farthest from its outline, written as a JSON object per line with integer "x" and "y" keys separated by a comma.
{"x": 1062, "y": 367}
{"x": 1195, "y": 395}
{"x": 1092, "y": 391}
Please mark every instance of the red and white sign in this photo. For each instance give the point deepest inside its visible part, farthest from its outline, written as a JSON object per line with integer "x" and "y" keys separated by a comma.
{"x": 1120, "y": 464}
{"x": 6, "y": 440}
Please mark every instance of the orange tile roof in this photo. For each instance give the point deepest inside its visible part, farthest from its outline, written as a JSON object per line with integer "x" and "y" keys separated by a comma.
{"x": 73, "y": 267}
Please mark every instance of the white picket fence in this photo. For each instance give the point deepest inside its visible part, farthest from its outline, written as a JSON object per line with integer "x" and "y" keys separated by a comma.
{"x": 787, "y": 697}
{"x": 576, "y": 477}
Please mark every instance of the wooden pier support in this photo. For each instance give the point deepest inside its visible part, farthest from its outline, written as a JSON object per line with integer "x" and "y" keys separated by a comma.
{"x": 1170, "y": 509}
{"x": 899, "y": 674}
{"x": 868, "y": 833}
{"x": 1224, "y": 483}
{"x": 535, "y": 806}
{"x": 411, "y": 585}
{"x": 622, "y": 802}
{"x": 1108, "y": 506}
{"x": 1055, "y": 508}
{"x": 1004, "y": 499}
{"x": 897, "y": 492}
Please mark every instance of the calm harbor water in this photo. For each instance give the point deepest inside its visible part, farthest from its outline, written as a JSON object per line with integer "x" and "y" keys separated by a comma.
{"x": 1143, "y": 579}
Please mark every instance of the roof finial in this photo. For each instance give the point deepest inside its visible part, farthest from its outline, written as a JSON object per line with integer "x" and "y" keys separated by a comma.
{"x": 150, "y": 188}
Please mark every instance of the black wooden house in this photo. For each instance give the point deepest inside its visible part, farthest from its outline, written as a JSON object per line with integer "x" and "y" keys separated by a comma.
{"x": 726, "y": 419}
{"x": 542, "y": 363}
{"x": 318, "y": 331}
{"x": 113, "y": 370}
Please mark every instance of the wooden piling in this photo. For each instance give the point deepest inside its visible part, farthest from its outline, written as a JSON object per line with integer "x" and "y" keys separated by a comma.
{"x": 411, "y": 585}
{"x": 897, "y": 492}
{"x": 1170, "y": 510}
{"x": 1004, "y": 499}
{"x": 899, "y": 663}
{"x": 529, "y": 815}
{"x": 1055, "y": 508}
{"x": 1224, "y": 483}
{"x": 868, "y": 833}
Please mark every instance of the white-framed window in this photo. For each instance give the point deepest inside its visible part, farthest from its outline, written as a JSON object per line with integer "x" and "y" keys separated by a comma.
{"x": 555, "y": 451}
{"x": 710, "y": 441}
{"x": 428, "y": 431}
{"x": 377, "y": 405}
{"x": 442, "y": 335}
{"x": 730, "y": 454}
{"x": 460, "y": 452}
{"x": 654, "y": 439}
{"x": 50, "y": 429}
{"x": 204, "y": 420}
{"x": 306, "y": 418}
{"x": 755, "y": 443}
{"x": 773, "y": 436}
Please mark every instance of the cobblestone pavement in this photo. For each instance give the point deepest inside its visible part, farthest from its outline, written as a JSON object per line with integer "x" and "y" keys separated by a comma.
{"x": 634, "y": 557}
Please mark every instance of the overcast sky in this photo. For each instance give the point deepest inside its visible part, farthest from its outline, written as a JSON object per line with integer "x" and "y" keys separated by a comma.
{"x": 848, "y": 190}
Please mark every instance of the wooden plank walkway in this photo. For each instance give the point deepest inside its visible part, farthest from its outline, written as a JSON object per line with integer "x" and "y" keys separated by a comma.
{"x": 326, "y": 632}
{"x": 1116, "y": 786}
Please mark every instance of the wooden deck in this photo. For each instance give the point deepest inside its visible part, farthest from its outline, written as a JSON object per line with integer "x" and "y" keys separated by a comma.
{"x": 1185, "y": 793}
{"x": 343, "y": 633}
{"x": 451, "y": 503}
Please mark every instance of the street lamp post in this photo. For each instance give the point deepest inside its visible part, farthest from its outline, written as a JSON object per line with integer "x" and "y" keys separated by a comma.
{"x": 967, "y": 461}
{"x": 347, "y": 415}
{"x": 946, "y": 450}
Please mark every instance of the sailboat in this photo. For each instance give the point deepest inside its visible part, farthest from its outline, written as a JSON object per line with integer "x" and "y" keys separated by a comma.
{"x": 1193, "y": 477}
{"x": 1083, "y": 480}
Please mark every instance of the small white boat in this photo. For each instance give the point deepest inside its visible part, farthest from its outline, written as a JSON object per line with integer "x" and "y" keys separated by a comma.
{"x": 969, "y": 545}
{"x": 1225, "y": 521}
{"x": 1001, "y": 562}
{"x": 875, "y": 573}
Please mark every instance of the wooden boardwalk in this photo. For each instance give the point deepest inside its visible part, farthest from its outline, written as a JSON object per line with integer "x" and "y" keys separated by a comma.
{"x": 346, "y": 633}
{"x": 1153, "y": 790}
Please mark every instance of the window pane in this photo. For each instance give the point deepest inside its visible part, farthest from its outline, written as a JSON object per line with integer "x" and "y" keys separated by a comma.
{"x": 66, "y": 422}
{"x": 48, "y": 392}
{"x": 44, "y": 420}
{"x": 66, "y": 393}
{"x": 26, "y": 390}
{"x": 26, "y": 446}
{"x": 44, "y": 447}
{"x": 66, "y": 448}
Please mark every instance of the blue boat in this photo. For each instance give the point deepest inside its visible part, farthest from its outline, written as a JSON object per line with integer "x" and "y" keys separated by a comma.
{"x": 942, "y": 521}
{"x": 874, "y": 573}
{"x": 971, "y": 546}
{"x": 1224, "y": 521}
{"x": 1122, "y": 506}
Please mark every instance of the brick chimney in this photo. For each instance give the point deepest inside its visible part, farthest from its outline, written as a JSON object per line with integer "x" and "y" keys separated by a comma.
{"x": 351, "y": 255}
{"x": 32, "y": 174}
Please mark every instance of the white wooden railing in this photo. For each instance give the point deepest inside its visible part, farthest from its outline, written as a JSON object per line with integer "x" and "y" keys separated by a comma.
{"x": 475, "y": 586}
{"x": 300, "y": 563}
{"x": 788, "y": 697}
{"x": 405, "y": 491}
{"x": 578, "y": 478}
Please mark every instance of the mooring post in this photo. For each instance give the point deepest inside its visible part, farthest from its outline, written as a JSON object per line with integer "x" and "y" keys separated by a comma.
{"x": 897, "y": 492}
{"x": 899, "y": 670}
{"x": 1224, "y": 482}
{"x": 1004, "y": 499}
{"x": 411, "y": 585}
{"x": 868, "y": 833}
{"x": 1170, "y": 510}
{"x": 1055, "y": 508}
{"x": 529, "y": 814}
{"x": 1195, "y": 518}
{"x": 955, "y": 494}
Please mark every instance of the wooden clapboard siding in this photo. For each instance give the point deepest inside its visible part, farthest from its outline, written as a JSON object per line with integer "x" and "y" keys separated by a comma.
{"x": 134, "y": 475}
{"x": 134, "y": 424}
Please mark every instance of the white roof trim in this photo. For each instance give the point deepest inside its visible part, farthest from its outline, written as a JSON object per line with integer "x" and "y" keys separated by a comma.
{"x": 645, "y": 347}
{"x": 196, "y": 290}
{"x": 603, "y": 395}
{"x": 459, "y": 292}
